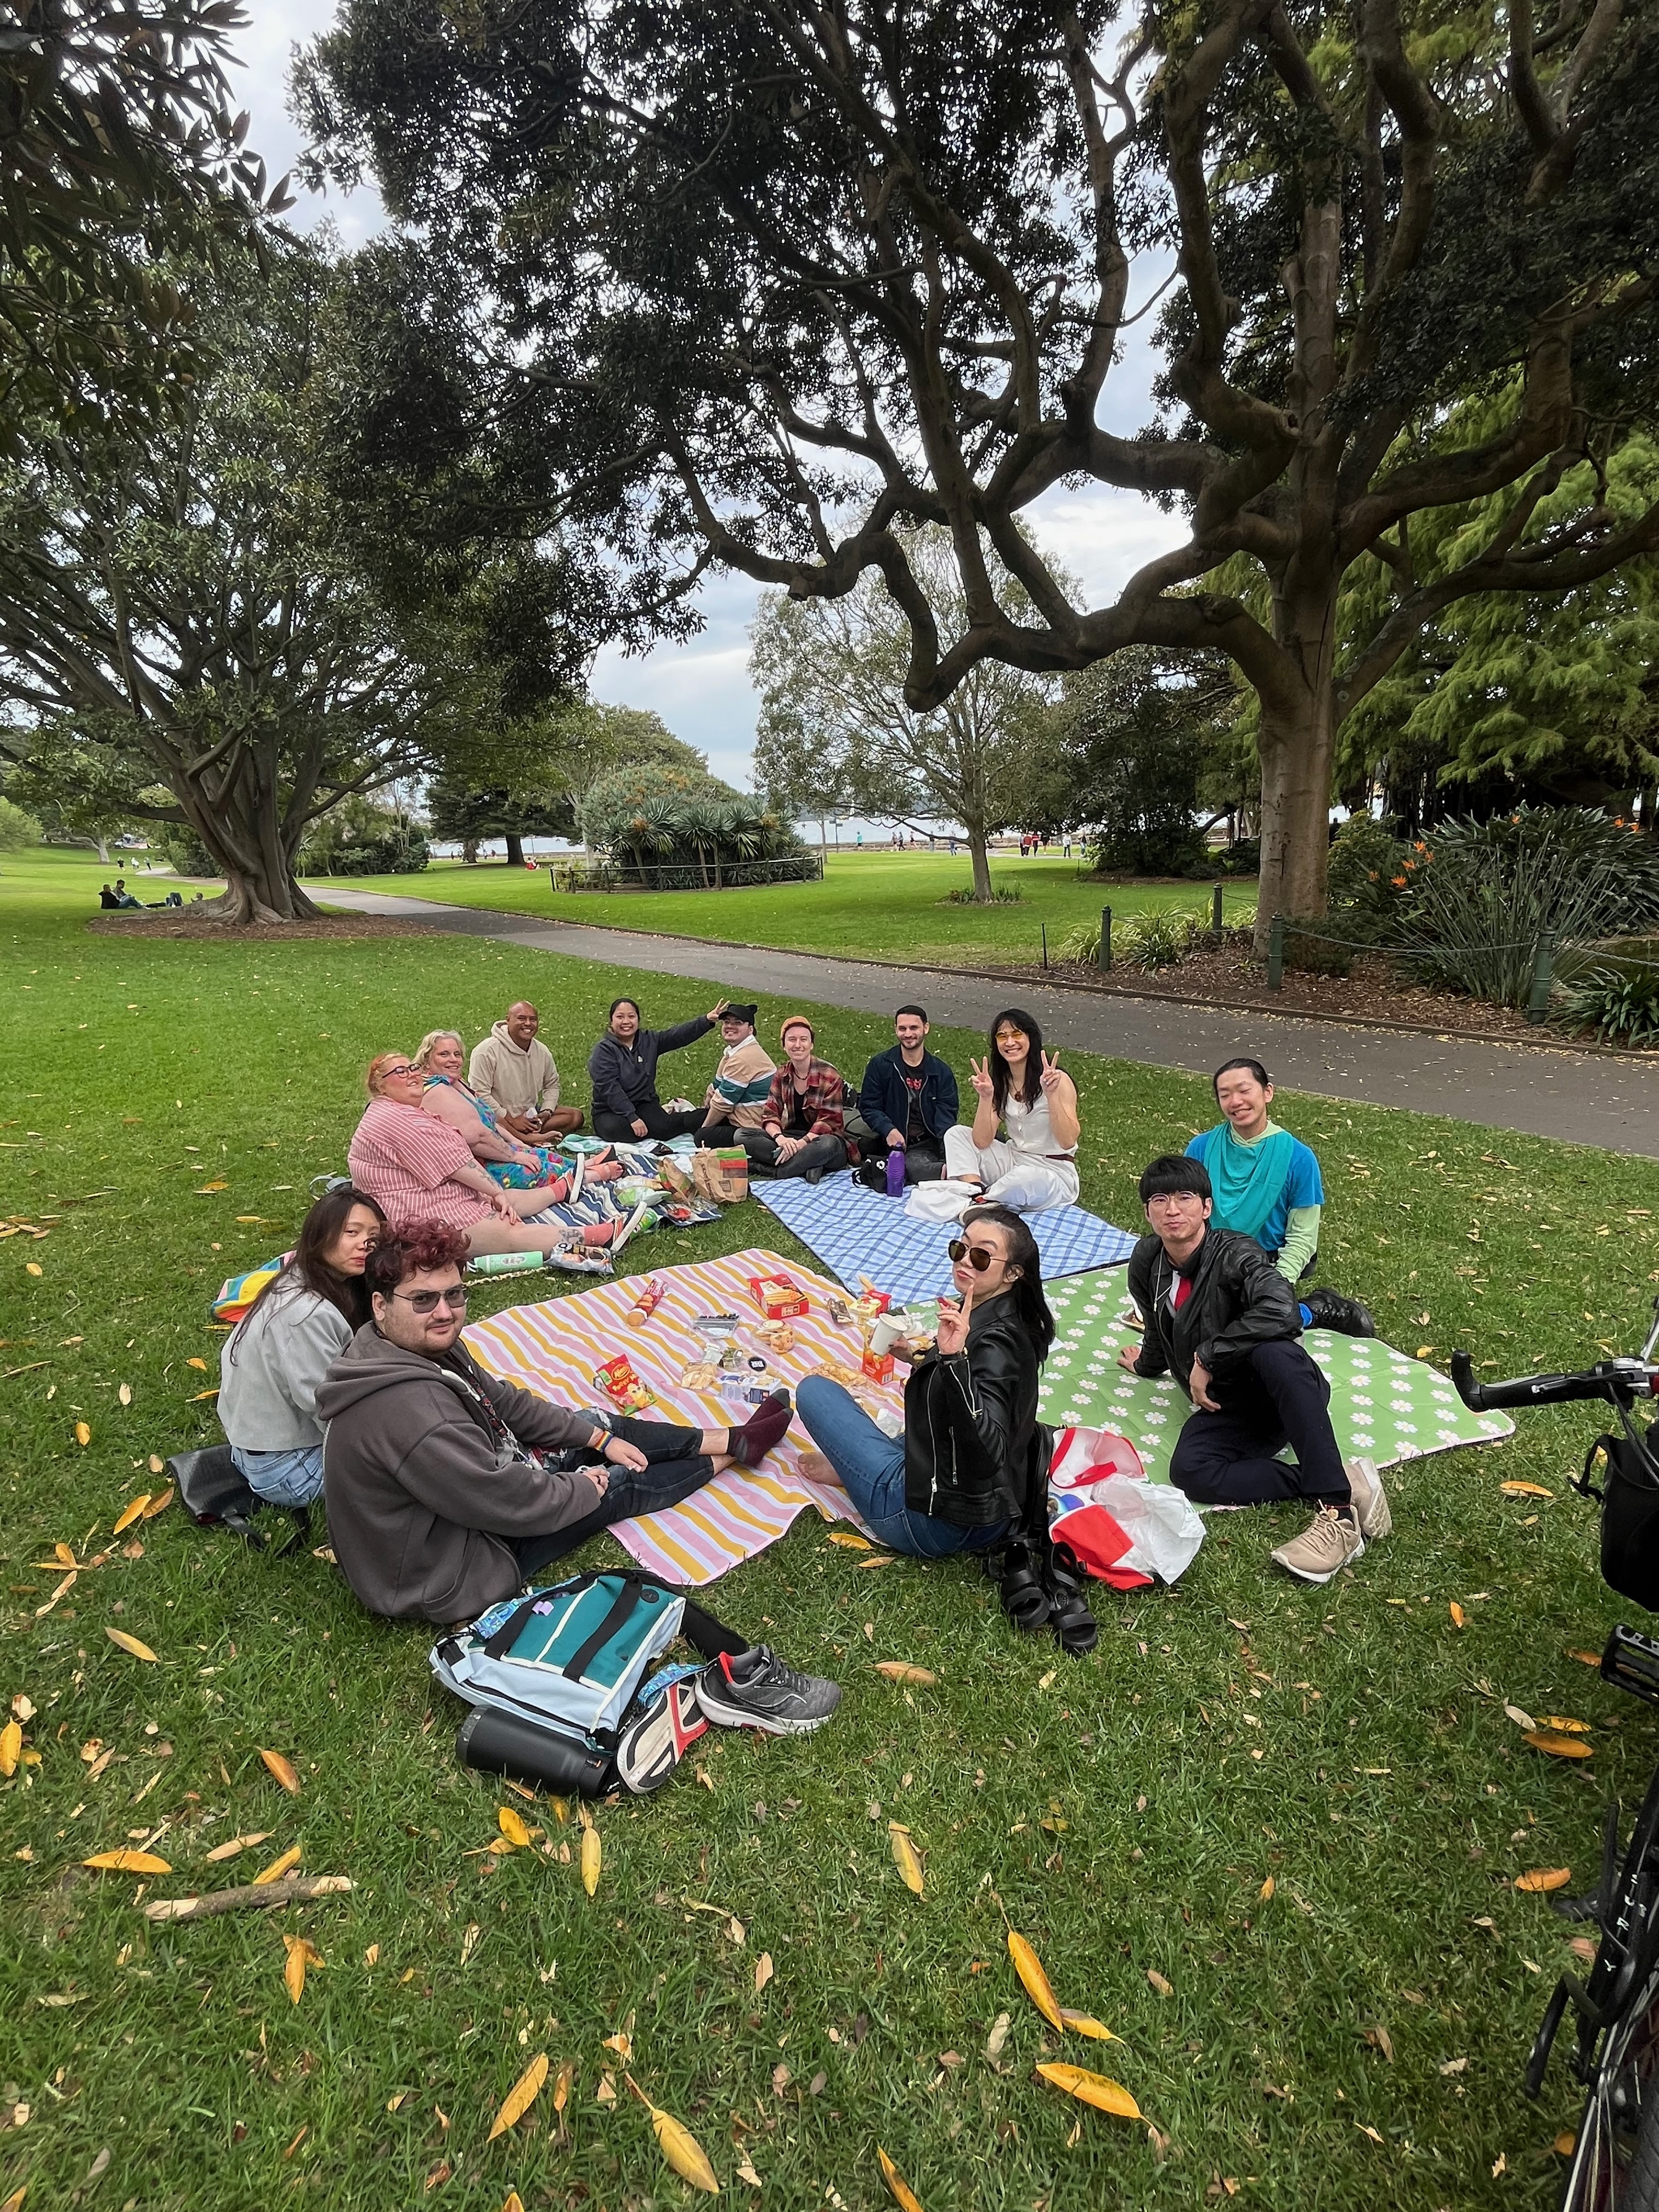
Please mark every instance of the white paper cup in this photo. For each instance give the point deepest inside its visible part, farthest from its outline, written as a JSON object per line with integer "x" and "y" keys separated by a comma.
{"x": 885, "y": 1332}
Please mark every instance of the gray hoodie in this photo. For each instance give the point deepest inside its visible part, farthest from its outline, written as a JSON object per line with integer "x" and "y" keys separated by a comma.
{"x": 422, "y": 1500}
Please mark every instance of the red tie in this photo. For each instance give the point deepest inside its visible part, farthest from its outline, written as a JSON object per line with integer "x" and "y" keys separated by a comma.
{"x": 1184, "y": 1291}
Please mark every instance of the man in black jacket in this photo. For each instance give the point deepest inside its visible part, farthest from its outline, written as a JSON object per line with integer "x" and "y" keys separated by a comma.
{"x": 909, "y": 1100}
{"x": 1220, "y": 1317}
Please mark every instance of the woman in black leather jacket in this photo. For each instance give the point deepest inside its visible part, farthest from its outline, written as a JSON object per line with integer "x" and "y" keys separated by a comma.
{"x": 972, "y": 1459}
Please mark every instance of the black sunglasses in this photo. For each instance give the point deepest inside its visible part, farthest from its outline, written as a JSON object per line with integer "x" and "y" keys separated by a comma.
{"x": 426, "y": 1302}
{"x": 978, "y": 1256}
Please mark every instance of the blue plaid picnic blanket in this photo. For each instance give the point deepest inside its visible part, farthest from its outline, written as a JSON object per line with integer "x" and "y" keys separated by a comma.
{"x": 857, "y": 1232}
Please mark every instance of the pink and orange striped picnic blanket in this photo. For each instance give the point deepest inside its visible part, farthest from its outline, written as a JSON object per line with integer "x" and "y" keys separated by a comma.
{"x": 556, "y": 1347}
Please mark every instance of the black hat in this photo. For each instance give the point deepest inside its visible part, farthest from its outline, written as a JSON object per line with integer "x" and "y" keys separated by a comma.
{"x": 734, "y": 1013}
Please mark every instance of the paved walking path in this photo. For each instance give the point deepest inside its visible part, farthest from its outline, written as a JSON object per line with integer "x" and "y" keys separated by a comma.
{"x": 1581, "y": 1098}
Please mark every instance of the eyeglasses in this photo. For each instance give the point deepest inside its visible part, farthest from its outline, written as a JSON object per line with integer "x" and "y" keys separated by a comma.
{"x": 1007, "y": 1036}
{"x": 408, "y": 1068}
{"x": 426, "y": 1302}
{"x": 978, "y": 1256}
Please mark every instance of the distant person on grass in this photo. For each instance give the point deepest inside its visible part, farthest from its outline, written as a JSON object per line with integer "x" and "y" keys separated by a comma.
{"x": 1222, "y": 1320}
{"x": 623, "y": 1068}
{"x": 1025, "y": 1089}
{"x": 907, "y": 1101}
{"x": 446, "y": 1487}
{"x": 417, "y": 1170}
{"x": 1267, "y": 1186}
{"x": 803, "y": 1129}
{"x": 513, "y": 1071}
{"x": 735, "y": 1103}
{"x": 123, "y": 898}
{"x": 106, "y": 899}
{"x": 275, "y": 1358}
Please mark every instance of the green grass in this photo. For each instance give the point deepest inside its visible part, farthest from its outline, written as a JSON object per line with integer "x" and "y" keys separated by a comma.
{"x": 879, "y": 905}
{"x": 1392, "y": 1808}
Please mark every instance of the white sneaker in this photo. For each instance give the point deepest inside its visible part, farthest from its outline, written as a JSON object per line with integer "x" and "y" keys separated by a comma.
{"x": 630, "y": 1227}
{"x": 1331, "y": 1541}
{"x": 576, "y": 1175}
{"x": 1370, "y": 1500}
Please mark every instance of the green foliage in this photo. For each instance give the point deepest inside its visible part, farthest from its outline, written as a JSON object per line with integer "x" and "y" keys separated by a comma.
{"x": 677, "y": 829}
{"x": 1479, "y": 898}
{"x": 1138, "y": 734}
{"x": 18, "y": 829}
{"x": 1000, "y": 894}
{"x": 1372, "y": 865}
{"x": 1620, "y": 1004}
{"x": 535, "y": 785}
{"x": 360, "y": 838}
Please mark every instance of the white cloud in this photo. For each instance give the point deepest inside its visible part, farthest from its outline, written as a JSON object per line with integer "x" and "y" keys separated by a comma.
{"x": 265, "y": 53}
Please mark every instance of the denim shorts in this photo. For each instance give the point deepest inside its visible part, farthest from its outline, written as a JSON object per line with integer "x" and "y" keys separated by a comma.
{"x": 281, "y": 1477}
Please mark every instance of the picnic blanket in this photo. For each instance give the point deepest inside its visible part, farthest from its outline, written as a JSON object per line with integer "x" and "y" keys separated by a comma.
{"x": 857, "y": 1232}
{"x": 555, "y": 1346}
{"x": 1384, "y": 1405}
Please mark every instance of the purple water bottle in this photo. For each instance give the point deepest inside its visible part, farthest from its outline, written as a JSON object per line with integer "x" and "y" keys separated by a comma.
{"x": 895, "y": 1170}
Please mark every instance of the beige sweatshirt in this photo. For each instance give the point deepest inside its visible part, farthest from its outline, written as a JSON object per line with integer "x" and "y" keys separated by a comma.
{"x": 517, "y": 1081}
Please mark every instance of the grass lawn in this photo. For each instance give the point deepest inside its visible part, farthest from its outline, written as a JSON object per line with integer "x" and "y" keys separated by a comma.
{"x": 889, "y": 906}
{"x": 1302, "y": 2048}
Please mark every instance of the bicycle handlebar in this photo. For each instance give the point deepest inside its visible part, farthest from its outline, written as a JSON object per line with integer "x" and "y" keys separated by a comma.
{"x": 1610, "y": 1379}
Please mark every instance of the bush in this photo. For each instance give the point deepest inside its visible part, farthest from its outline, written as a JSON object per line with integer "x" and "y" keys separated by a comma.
{"x": 1001, "y": 895}
{"x": 361, "y": 839}
{"x": 183, "y": 850}
{"x": 1243, "y": 858}
{"x": 1476, "y": 901}
{"x": 1163, "y": 937}
{"x": 677, "y": 829}
{"x": 18, "y": 829}
{"x": 1372, "y": 866}
{"x": 1620, "y": 1004}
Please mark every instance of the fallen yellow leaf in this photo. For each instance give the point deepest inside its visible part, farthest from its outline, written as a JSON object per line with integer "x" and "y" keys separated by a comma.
{"x": 82, "y": 1434}
{"x": 31, "y": 1267}
{"x": 156, "y": 1462}
{"x": 1565, "y": 2143}
{"x": 680, "y": 2146}
{"x": 124, "y": 1393}
{"x": 283, "y": 1770}
{"x": 850, "y": 1540}
{"x": 11, "y": 1748}
{"x": 201, "y": 1365}
{"x": 372, "y": 1956}
{"x": 130, "y": 1644}
{"x": 1038, "y": 1987}
{"x": 905, "y": 1857}
{"x": 236, "y": 1845}
{"x": 159, "y": 1504}
{"x": 566, "y": 2075}
{"x": 899, "y": 1670}
{"x": 131, "y": 1513}
{"x": 1266, "y": 1889}
{"x": 1164, "y": 1988}
{"x": 1459, "y": 1618}
{"x": 127, "y": 1862}
{"x": 514, "y": 2201}
{"x": 1560, "y": 1721}
{"x": 621, "y": 2043}
{"x": 301, "y": 1952}
{"x": 1542, "y": 1879}
{"x": 277, "y": 1868}
{"x": 1586, "y": 1658}
{"x": 203, "y": 1189}
{"x": 903, "y": 2195}
{"x": 1097, "y": 2089}
{"x": 512, "y": 1828}
{"x": 1525, "y": 1489}
{"x": 1084, "y": 2023}
{"x": 520, "y": 2097}
{"x": 762, "y": 1971}
{"x": 592, "y": 1857}
{"x": 1557, "y": 1746}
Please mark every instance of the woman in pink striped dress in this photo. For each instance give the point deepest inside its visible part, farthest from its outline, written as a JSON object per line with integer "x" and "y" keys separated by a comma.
{"x": 417, "y": 1168}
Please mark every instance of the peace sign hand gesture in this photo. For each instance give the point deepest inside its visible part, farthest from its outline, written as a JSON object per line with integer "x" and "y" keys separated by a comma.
{"x": 1052, "y": 1076}
{"x": 980, "y": 1076}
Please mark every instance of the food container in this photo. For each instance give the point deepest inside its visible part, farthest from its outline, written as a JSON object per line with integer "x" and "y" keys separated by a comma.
{"x": 623, "y": 1386}
{"x": 778, "y": 1298}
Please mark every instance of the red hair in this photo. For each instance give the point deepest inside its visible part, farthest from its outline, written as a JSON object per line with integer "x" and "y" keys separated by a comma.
{"x": 419, "y": 1248}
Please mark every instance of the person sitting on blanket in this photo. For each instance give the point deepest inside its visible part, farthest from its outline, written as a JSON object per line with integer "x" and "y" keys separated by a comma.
{"x": 1266, "y": 1185}
{"x": 416, "y": 1168}
{"x": 450, "y": 1098}
{"x": 275, "y": 1358}
{"x": 803, "y": 1131}
{"x": 516, "y": 1074}
{"x": 1026, "y": 1089}
{"x": 907, "y": 1101}
{"x": 623, "y": 1068}
{"x": 1219, "y": 1317}
{"x": 447, "y": 1487}
{"x": 736, "y": 1101}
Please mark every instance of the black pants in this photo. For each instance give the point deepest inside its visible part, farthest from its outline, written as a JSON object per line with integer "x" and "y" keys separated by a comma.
{"x": 824, "y": 1153}
{"x": 672, "y": 1474}
{"x": 1227, "y": 1458}
{"x": 659, "y": 1124}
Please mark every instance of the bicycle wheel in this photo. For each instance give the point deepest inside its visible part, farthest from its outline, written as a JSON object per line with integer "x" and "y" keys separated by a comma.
{"x": 1616, "y": 2159}
{"x": 1614, "y": 2165}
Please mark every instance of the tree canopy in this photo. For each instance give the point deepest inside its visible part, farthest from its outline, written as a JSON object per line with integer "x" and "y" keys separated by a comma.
{"x": 774, "y": 288}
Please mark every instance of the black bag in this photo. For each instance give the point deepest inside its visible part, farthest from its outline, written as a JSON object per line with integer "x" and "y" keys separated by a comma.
{"x": 1630, "y": 1517}
{"x": 215, "y": 1492}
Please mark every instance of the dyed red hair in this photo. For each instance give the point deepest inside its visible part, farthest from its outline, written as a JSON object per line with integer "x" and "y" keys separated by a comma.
{"x": 421, "y": 1248}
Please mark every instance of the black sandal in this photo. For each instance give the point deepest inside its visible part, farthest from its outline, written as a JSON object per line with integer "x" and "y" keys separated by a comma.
{"x": 1075, "y": 1628}
{"x": 1016, "y": 1573}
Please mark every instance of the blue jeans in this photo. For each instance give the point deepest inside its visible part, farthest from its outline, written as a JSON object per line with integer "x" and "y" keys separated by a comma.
{"x": 292, "y": 1478}
{"x": 872, "y": 1469}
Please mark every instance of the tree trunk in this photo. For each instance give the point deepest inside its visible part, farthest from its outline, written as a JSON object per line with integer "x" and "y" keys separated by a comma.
{"x": 515, "y": 849}
{"x": 1297, "y": 745}
{"x": 102, "y": 843}
{"x": 470, "y": 851}
{"x": 977, "y": 848}
{"x": 239, "y": 819}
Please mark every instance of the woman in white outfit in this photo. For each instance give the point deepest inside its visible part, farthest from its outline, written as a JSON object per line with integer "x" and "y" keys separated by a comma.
{"x": 1026, "y": 1089}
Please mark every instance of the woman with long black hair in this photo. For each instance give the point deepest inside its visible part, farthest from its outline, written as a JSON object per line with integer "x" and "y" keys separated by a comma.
{"x": 1025, "y": 1089}
{"x": 287, "y": 1341}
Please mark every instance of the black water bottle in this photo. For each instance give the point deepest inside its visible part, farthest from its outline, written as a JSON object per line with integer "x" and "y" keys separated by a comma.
{"x": 505, "y": 1743}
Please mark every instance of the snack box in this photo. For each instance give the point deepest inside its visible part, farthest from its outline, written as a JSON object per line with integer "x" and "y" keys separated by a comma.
{"x": 877, "y": 1366}
{"x": 778, "y": 1298}
{"x": 622, "y": 1385}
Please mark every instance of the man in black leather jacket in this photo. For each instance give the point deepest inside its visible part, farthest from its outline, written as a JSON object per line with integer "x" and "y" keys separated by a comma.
{"x": 1220, "y": 1317}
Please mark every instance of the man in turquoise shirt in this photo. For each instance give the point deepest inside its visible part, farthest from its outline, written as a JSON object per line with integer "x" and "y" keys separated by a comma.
{"x": 1267, "y": 1186}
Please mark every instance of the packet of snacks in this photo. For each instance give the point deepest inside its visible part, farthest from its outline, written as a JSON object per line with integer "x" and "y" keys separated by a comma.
{"x": 623, "y": 1386}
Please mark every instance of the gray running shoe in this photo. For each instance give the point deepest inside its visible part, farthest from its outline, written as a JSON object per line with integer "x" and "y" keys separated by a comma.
{"x": 1370, "y": 1500}
{"x": 756, "y": 1690}
{"x": 1331, "y": 1541}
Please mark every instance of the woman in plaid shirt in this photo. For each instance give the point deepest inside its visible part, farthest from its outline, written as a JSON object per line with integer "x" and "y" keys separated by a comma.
{"x": 803, "y": 1130}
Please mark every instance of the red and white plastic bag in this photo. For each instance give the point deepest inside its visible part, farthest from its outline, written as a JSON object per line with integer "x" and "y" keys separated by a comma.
{"x": 1121, "y": 1529}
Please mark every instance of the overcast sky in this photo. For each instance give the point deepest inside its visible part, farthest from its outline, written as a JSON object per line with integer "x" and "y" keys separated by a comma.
{"x": 702, "y": 689}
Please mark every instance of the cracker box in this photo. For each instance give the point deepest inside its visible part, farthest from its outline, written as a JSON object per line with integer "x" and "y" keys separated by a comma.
{"x": 778, "y": 1298}
{"x": 877, "y": 1366}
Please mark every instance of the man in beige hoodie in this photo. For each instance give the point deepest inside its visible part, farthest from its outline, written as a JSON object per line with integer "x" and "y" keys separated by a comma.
{"x": 514, "y": 1070}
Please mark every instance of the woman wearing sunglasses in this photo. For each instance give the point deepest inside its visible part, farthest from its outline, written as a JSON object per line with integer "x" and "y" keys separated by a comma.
{"x": 970, "y": 1469}
{"x": 1026, "y": 1091}
{"x": 417, "y": 1168}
